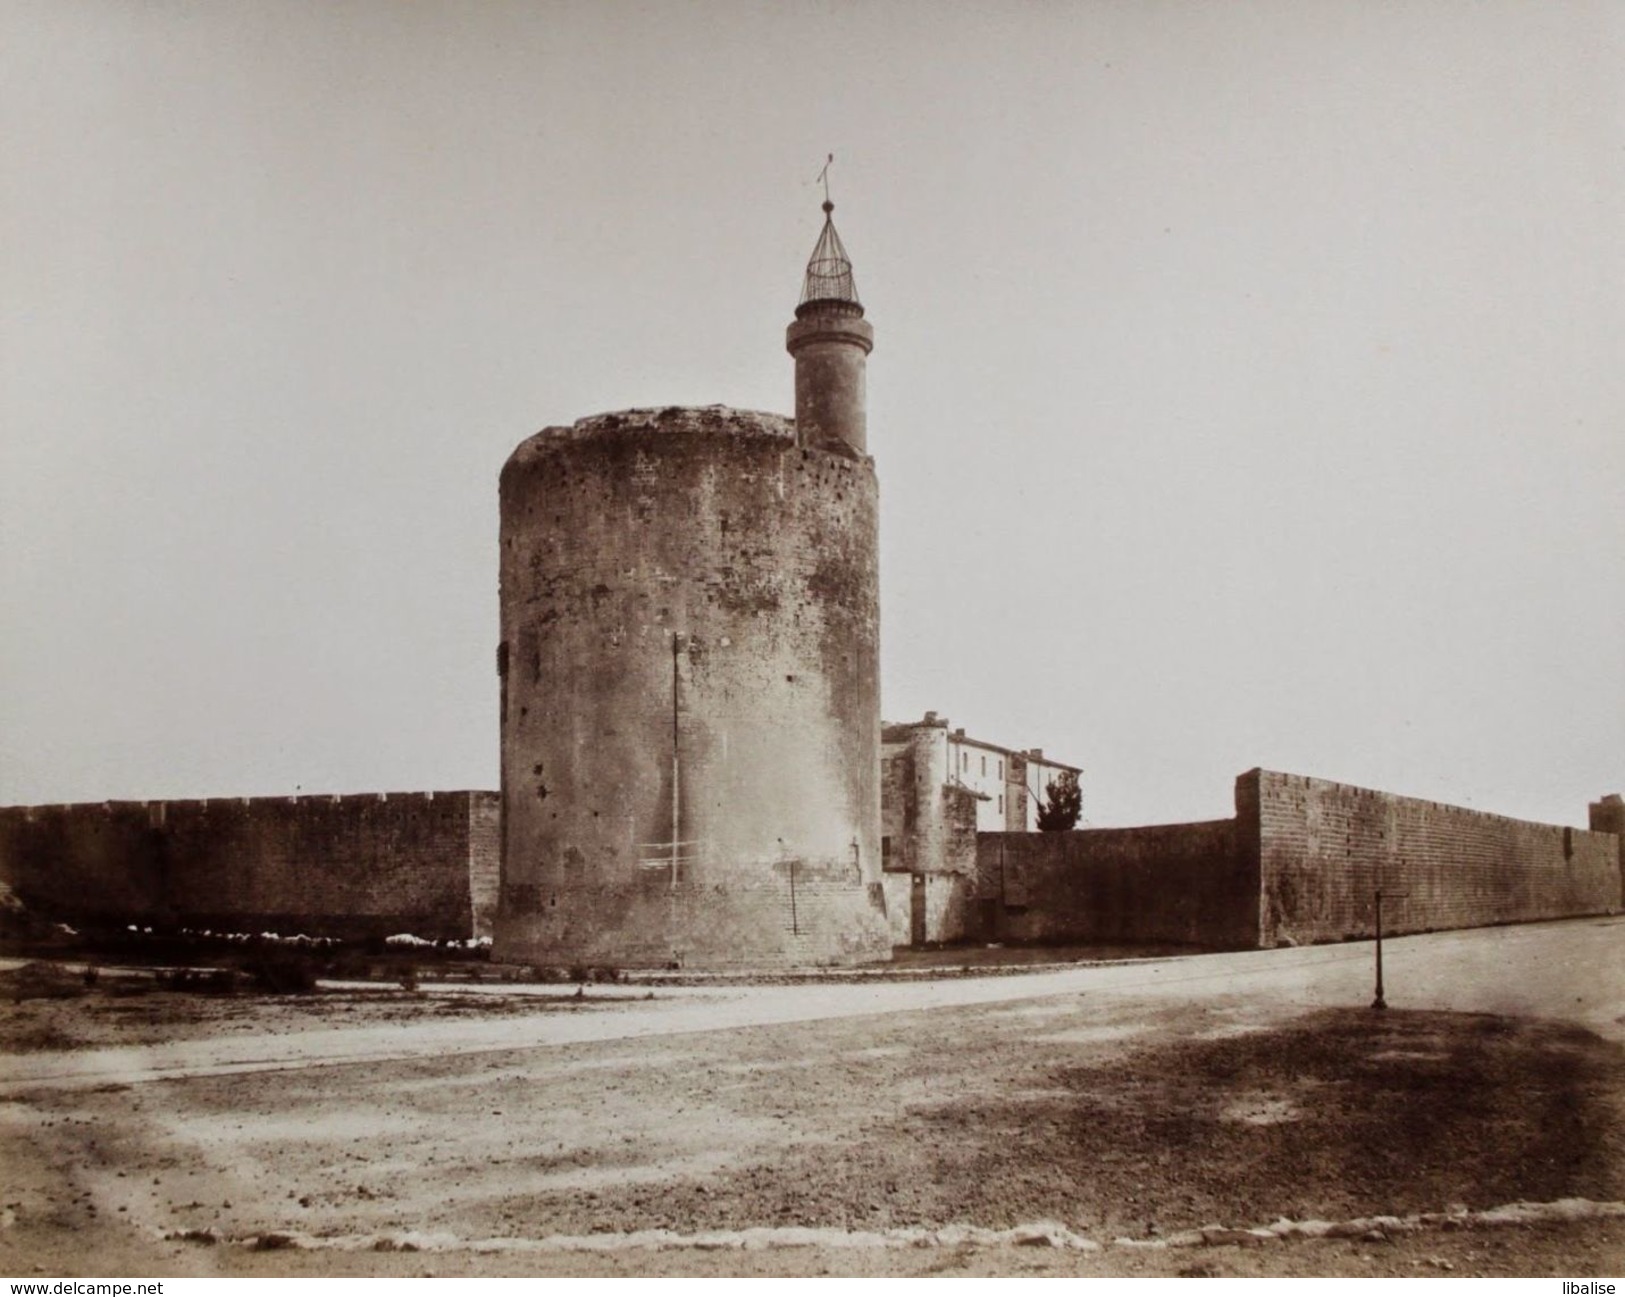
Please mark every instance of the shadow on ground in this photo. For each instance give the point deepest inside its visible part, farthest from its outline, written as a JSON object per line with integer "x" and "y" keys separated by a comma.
{"x": 1345, "y": 1113}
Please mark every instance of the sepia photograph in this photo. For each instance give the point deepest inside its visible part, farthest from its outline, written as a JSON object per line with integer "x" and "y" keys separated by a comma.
{"x": 685, "y": 639}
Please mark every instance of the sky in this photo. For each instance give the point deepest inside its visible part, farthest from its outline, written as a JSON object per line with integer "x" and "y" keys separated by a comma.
{"x": 1248, "y": 387}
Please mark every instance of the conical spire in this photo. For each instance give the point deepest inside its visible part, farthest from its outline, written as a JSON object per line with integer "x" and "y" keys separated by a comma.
{"x": 829, "y": 272}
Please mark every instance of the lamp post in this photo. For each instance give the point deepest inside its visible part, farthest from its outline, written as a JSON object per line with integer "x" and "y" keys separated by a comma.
{"x": 1380, "y": 1002}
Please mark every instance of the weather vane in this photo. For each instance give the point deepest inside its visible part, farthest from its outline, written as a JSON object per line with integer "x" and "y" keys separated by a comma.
{"x": 823, "y": 177}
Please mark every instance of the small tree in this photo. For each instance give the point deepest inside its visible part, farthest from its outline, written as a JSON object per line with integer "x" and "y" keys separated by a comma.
{"x": 1062, "y": 804}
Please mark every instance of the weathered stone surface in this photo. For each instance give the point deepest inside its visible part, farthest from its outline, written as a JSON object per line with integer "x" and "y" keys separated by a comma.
{"x": 1607, "y": 815}
{"x": 1185, "y": 883}
{"x": 1323, "y": 849}
{"x": 831, "y": 342}
{"x": 689, "y": 595}
{"x": 1300, "y": 863}
{"x": 370, "y": 864}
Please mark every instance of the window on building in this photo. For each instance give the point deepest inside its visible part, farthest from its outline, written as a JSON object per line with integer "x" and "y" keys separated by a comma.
{"x": 885, "y": 849}
{"x": 1001, "y": 767}
{"x": 1001, "y": 803}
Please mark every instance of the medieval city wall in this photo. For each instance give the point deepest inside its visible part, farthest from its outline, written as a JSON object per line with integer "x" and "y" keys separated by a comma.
{"x": 1174, "y": 883}
{"x": 1300, "y": 863}
{"x": 352, "y": 866}
{"x": 1323, "y": 849}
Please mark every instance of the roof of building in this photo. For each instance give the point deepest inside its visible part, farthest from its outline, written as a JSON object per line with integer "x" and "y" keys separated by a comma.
{"x": 898, "y": 731}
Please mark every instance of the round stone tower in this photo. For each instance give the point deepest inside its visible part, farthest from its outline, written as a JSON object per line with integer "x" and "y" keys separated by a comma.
{"x": 690, "y": 676}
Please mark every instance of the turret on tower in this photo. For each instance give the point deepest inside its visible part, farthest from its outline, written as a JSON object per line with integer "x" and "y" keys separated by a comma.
{"x": 830, "y": 341}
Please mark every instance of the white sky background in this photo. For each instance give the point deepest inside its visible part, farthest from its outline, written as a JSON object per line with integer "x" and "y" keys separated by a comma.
{"x": 1249, "y": 384}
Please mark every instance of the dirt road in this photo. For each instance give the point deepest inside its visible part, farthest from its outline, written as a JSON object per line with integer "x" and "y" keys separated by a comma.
{"x": 879, "y": 1128}
{"x": 1572, "y": 971}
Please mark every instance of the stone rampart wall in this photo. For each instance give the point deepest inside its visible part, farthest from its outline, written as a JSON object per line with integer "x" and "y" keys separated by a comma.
{"x": 1301, "y": 863}
{"x": 1180, "y": 883}
{"x": 365, "y": 865}
{"x": 1323, "y": 850}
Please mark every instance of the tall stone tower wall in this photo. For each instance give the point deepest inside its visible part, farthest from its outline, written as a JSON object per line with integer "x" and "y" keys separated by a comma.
{"x": 830, "y": 342}
{"x": 715, "y": 532}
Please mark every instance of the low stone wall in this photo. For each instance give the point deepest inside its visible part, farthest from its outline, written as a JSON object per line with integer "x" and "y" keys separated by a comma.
{"x": 351, "y": 866}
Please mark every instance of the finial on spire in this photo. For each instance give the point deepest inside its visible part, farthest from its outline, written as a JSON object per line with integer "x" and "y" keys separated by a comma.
{"x": 823, "y": 177}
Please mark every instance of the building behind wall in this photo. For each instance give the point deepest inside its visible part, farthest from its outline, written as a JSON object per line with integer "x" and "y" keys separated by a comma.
{"x": 939, "y": 788}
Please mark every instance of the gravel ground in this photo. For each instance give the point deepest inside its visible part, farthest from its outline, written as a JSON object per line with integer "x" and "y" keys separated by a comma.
{"x": 1112, "y": 1111}
{"x": 130, "y": 1013}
